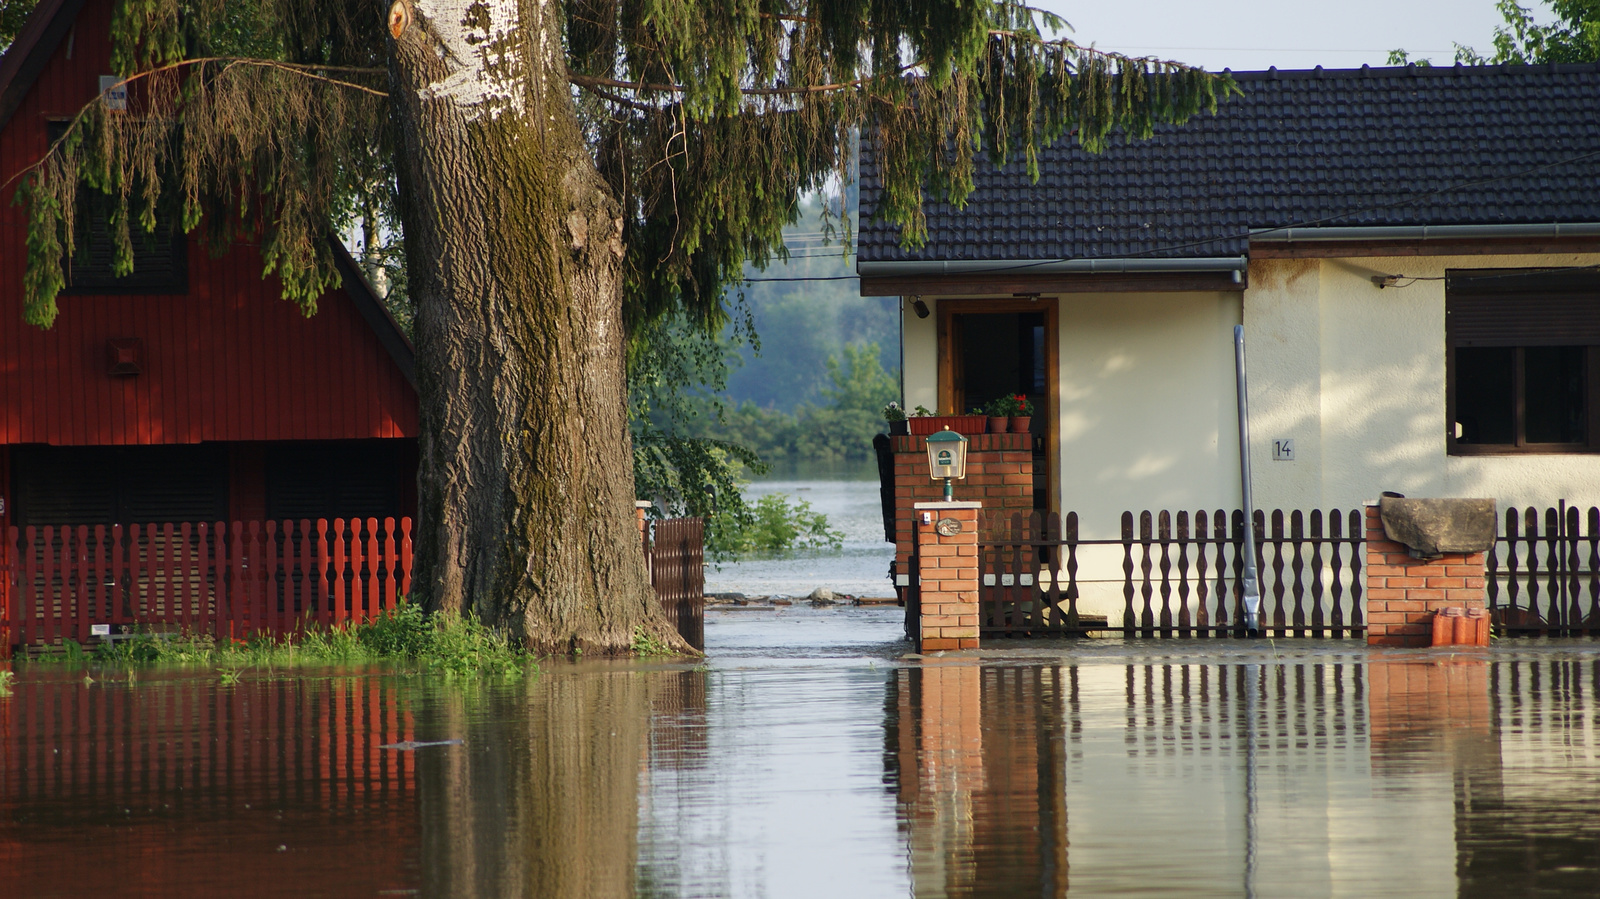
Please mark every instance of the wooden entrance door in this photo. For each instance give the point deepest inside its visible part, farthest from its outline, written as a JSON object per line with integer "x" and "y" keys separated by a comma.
{"x": 992, "y": 347}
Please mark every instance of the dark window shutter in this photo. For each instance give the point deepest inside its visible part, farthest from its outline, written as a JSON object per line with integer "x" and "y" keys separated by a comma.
{"x": 1523, "y": 307}
{"x": 112, "y": 485}
{"x": 160, "y": 260}
{"x": 336, "y": 479}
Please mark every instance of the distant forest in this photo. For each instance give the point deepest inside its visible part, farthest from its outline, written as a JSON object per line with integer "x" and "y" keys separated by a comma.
{"x": 802, "y": 323}
{"x": 810, "y": 399}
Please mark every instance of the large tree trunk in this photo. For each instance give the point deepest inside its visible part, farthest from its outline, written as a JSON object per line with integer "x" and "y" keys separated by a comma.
{"x": 513, "y": 245}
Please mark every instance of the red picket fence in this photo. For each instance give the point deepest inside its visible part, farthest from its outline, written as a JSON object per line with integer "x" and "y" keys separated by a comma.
{"x": 218, "y": 579}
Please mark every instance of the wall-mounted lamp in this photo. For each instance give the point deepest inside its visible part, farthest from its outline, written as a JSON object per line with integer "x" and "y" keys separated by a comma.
{"x": 919, "y": 307}
{"x": 947, "y": 458}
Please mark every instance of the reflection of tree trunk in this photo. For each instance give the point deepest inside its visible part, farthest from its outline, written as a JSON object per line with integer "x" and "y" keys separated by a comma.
{"x": 542, "y": 801}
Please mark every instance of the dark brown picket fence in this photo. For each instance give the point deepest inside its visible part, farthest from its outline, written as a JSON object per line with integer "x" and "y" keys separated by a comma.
{"x": 1182, "y": 575}
{"x": 676, "y": 552}
{"x": 1543, "y": 574}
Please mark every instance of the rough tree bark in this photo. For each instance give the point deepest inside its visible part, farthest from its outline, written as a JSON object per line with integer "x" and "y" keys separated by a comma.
{"x": 513, "y": 245}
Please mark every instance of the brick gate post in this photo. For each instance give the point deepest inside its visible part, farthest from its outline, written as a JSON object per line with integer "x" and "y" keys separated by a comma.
{"x": 1404, "y": 594}
{"x": 947, "y": 563}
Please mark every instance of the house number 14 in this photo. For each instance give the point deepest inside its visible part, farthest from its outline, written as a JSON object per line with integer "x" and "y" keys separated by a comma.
{"x": 1283, "y": 450}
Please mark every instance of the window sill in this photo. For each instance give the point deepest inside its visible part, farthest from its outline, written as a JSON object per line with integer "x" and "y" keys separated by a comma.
{"x": 1537, "y": 449}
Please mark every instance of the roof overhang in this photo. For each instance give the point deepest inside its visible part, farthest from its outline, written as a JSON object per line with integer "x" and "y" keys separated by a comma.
{"x": 965, "y": 277}
{"x": 1426, "y": 240}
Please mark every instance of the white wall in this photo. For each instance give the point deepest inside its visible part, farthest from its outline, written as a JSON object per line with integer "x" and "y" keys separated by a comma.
{"x": 1146, "y": 405}
{"x": 1356, "y": 376}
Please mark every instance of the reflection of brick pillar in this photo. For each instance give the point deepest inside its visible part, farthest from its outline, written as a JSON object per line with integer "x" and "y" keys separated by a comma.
{"x": 1415, "y": 709}
{"x": 1404, "y": 593}
{"x": 948, "y": 575}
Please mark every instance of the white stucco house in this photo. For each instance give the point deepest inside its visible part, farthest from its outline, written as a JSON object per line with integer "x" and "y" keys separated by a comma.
{"x": 1414, "y": 254}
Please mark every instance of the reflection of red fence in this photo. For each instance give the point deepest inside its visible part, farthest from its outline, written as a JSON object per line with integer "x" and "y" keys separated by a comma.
{"x": 225, "y": 580}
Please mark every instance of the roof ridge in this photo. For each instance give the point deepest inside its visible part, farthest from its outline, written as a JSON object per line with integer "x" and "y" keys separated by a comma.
{"x": 1413, "y": 70}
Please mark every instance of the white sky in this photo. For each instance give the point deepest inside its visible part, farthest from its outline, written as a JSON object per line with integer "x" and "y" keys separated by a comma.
{"x": 1289, "y": 34}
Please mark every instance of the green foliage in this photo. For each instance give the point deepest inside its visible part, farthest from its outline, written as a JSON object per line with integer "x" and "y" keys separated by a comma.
{"x": 13, "y": 13}
{"x": 709, "y": 121}
{"x": 648, "y": 644}
{"x": 840, "y": 432}
{"x": 778, "y": 526}
{"x": 675, "y": 372}
{"x": 404, "y": 630}
{"x": 1573, "y": 37}
{"x": 442, "y": 643}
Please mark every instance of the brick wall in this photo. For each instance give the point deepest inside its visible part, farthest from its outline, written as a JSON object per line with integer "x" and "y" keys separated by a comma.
{"x": 948, "y": 574}
{"x": 1404, "y": 593}
{"x": 999, "y": 475}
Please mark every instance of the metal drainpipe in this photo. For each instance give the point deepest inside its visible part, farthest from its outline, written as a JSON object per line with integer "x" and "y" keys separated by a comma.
{"x": 1252, "y": 589}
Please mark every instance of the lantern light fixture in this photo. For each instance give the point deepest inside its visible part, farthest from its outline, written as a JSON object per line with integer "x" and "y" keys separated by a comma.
{"x": 947, "y": 458}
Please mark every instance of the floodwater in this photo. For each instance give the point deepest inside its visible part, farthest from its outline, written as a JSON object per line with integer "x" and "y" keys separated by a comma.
{"x": 811, "y": 755}
{"x": 859, "y": 568}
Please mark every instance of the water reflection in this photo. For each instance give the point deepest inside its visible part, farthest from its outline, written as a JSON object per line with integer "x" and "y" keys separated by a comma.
{"x": 124, "y": 788}
{"x": 846, "y": 773}
{"x": 1319, "y": 777}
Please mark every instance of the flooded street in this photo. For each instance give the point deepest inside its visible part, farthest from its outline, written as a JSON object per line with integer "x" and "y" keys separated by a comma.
{"x": 859, "y": 568}
{"x": 809, "y": 755}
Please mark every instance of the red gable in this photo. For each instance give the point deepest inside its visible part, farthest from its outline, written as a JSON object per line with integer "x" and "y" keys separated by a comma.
{"x": 227, "y": 360}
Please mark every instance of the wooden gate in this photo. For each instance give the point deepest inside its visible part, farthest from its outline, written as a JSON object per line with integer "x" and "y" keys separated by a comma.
{"x": 677, "y": 560}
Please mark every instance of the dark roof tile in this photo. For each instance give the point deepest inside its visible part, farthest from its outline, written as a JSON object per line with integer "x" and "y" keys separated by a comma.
{"x": 1394, "y": 146}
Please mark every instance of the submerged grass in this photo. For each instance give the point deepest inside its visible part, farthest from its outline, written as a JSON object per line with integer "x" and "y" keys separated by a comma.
{"x": 443, "y": 643}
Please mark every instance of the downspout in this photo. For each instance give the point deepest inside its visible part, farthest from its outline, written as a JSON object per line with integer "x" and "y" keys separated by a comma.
{"x": 1252, "y": 589}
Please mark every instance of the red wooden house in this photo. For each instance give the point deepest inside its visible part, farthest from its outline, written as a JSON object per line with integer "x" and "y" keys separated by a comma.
{"x": 185, "y": 395}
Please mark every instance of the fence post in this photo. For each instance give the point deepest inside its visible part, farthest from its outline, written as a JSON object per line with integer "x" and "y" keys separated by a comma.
{"x": 947, "y": 571}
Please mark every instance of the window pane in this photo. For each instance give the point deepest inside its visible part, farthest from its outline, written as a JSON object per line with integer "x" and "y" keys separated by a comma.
{"x": 1484, "y": 399}
{"x": 1553, "y": 381}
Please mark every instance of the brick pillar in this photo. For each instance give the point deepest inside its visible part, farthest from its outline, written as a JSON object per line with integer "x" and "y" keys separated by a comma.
{"x": 1403, "y": 593}
{"x": 948, "y": 575}
{"x": 999, "y": 475}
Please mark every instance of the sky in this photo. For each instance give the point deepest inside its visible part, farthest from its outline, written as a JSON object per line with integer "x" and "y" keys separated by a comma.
{"x": 1290, "y": 34}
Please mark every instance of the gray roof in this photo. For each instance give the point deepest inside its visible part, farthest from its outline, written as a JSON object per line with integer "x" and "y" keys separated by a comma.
{"x": 1357, "y": 147}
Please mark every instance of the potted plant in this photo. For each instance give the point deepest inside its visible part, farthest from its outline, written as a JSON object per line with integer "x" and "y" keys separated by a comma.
{"x": 924, "y": 422}
{"x": 896, "y": 417}
{"x": 999, "y": 412}
{"x": 1021, "y": 413}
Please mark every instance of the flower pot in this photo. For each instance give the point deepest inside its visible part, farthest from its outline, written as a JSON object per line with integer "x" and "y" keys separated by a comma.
{"x": 961, "y": 424}
{"x": 1020, "y": 423}
{"x": 899, "y": 428}
{"x": 997, "y": 424}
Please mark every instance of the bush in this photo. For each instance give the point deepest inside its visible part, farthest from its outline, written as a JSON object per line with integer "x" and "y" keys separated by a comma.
{"x": 775, "y": 526}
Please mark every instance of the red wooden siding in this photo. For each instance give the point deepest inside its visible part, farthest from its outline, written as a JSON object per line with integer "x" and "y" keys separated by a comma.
{"x": 228, "y": 361}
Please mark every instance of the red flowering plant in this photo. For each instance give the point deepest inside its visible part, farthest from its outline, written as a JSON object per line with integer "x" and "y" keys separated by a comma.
{"x": 1021, "y": 406}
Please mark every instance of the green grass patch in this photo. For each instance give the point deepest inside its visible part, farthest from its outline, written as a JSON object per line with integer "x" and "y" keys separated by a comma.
{"x": 431, "y": 643}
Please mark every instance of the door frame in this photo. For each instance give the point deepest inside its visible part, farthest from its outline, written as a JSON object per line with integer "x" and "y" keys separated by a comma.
{"x": 949, "y": 308}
